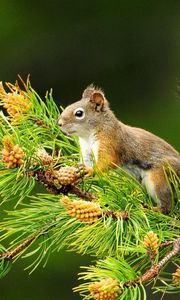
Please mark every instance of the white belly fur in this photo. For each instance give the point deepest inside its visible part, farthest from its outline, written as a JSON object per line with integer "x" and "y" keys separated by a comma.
{"x": 148, "y": 184}
{"x": 89, "y": 150}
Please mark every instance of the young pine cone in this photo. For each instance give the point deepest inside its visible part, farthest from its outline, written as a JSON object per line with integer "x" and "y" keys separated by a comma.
{"x": 151, "y": 242}
{"x": 16, "y": 103}
{"x": 106, "y": 289}
{"x": 176, "y": 277}
{"x": 68, "y": 175}
{"x": 44, "y": 157}
{"x": 85, "y": 211}
{"x": 13, "y": 157}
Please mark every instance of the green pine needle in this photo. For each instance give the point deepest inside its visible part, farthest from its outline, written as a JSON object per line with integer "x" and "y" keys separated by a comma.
{"x": 116, "y": 242}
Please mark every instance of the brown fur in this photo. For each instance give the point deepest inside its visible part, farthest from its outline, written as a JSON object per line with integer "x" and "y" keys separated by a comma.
{"x": 139, "y": 151}
{"x": 107, "y": 153}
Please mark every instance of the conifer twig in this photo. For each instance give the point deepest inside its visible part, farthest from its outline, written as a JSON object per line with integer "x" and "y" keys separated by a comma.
{"x": 47, "y": 178}
{"x": 155, "y": 269}
{"x": 10, "y": 254}
{"x": 121, "y": 214}
{"x": 82, "y": 194}
{"x": 165, "y": 244}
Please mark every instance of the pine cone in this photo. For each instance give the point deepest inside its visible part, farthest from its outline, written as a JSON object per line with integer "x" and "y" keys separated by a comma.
{"x": 44, "y": 157}
{"x": 106, "y": 289}
{"x": 67, "y": 175}
{"x": 84, "y": 211}
{"x": 176, "y": 277}
{"x": 16, "y": 103}
{"x": 151, "y": 241}
{"x": 12, "y": 154}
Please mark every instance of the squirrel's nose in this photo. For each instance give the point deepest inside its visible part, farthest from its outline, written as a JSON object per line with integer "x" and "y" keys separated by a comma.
{"x": 60, "y": 123}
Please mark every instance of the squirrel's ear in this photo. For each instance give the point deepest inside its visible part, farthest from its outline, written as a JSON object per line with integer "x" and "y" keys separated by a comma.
{"x": 88, "y": 91}
{"x": 97, "y": 98}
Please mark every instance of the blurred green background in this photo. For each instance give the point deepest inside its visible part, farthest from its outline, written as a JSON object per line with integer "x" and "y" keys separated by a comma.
{"x": 129, "y": 48}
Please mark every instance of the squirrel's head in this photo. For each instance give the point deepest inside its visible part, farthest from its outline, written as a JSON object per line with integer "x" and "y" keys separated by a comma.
{"x": 82, "y": 117}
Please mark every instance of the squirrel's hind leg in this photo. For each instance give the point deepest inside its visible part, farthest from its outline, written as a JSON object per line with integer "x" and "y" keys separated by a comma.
{"x": 155, "y": 182}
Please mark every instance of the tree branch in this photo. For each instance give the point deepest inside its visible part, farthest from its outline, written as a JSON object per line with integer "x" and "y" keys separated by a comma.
{"x": 155, "y": 269}
{"x": 48, "y": 178}
{"x": 10, "y": 254}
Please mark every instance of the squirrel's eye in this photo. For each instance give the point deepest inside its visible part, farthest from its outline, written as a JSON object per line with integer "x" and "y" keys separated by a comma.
{"x": 79, "y": 113}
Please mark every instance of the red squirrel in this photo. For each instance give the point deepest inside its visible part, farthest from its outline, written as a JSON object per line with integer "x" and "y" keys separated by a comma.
{"x": 108, "y": 141}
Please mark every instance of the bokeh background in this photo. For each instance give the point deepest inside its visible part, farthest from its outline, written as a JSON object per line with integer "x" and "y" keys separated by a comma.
{"x": 129, "y": 48}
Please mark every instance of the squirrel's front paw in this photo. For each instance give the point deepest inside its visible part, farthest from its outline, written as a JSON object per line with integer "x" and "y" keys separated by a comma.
{"x": 163, "y": 210}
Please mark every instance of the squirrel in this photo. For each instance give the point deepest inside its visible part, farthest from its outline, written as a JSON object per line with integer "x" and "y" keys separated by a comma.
{"x": 107, "y": 141}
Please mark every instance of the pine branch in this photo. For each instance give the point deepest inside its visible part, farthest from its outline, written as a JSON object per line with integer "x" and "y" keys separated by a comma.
{"x": 24, "y": 244}
{"x": 117, "y": 272}
{"x": 117, "y": 220}
{"x": 155, "y": 269}
{"x": 10, "y": 254}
